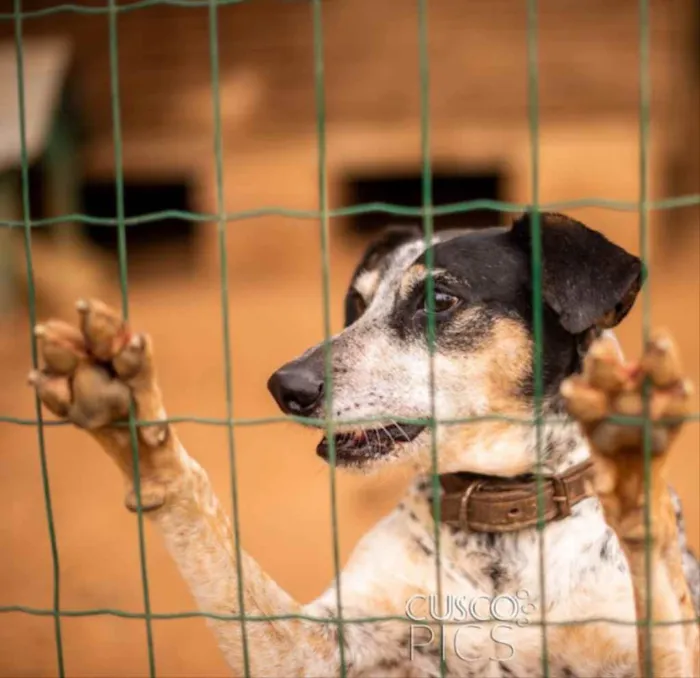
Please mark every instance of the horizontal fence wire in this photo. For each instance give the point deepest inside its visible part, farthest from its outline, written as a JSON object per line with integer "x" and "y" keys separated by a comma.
{"x": 75, "y": 8}
{"x": 689, "y": 200}
{"x": 562, "y": 420}
{"x": 314, "y": 619}
{"x": 324, "y": 214}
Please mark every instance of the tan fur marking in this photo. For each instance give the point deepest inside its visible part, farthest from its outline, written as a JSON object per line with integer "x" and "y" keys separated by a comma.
{"x": 497, "y": 369}
{"x": 366, "y": 284}
{"x": 411, "y": 278}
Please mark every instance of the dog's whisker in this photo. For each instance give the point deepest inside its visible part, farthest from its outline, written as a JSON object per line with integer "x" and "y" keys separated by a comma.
{"x": 405, "y": 435}
{"x": 379, "y": 441}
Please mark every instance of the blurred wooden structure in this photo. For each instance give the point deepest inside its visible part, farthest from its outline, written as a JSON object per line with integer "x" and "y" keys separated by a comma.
{"x": 589, "y": 147}
{"x": 51, "y": 149}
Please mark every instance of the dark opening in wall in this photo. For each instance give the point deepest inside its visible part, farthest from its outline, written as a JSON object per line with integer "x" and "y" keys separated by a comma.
{"x": 154, "y": 243}
{"x": 39, "y": 207}
{"x": 406, "y": 190}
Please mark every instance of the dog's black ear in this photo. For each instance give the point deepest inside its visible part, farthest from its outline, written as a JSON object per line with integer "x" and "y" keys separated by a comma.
{"x": 390, "y": 238}
{"x": 587, "y": 280}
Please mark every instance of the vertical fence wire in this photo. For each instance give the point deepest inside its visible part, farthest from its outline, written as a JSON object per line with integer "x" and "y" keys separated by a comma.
{"x": 31, "y": 291}
{"x": 320, "y": 101}
{"x": 537, "y": 310}
{"x": 124, "y": 286}
{"x": 428, "y": 232}
{"x": 644, "y": 119}
{"x": 226, "y": 339}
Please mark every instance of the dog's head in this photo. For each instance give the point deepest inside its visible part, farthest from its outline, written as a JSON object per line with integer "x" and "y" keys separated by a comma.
{"x": 483, "y": 342}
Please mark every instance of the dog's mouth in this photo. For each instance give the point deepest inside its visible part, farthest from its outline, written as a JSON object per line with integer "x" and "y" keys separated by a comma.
{"x": 363, "y": 444}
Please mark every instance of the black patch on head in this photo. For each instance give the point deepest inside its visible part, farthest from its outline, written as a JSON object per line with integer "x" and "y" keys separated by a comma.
{"x": 479, "y": 268}
{"x": 587, "y": 280}
{"x": 491, "y": 277}
{"x": 373, "y": 258}
{"x": 588, "y": 284}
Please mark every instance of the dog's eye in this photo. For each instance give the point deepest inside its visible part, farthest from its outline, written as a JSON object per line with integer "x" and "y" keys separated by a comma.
{"x": 443, "y": 302}
{"x": 355, "y": 306}
{"x": 359, "y": 304}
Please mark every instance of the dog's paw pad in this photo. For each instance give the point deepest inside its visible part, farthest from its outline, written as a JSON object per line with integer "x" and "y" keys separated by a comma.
{"x": 61, "y": 346}
{"x": 152, "y": 494}
{"x": 54, "y": 391}
{"x": 603, "y": 369}
{"x": 585, "y": 403}
{"x": 105, "y": 331}
{"x": 661, "y": 361}
{"x": 130, "y": 360}
{"x": 98, "y": 398}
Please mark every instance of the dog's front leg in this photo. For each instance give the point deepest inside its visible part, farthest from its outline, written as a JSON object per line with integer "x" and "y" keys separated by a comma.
{"x": 90, "y": 376}
{"x": 607, "y": 388}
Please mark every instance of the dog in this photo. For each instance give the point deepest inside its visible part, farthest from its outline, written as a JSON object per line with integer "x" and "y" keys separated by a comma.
{"x": 523, "y": 557}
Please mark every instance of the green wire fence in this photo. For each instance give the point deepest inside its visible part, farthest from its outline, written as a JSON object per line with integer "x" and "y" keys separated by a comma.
{"x": 323, "y": 214}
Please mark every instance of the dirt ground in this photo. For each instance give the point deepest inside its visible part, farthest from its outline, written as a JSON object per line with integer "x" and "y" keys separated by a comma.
{"x": 276, "y": 311}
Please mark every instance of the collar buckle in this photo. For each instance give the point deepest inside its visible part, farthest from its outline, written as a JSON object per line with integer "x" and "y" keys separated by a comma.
{"x": 464, "y": 504}
{"x": 561, "y": 496}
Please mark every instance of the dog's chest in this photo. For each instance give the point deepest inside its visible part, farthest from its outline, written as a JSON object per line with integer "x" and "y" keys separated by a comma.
{"x": 493, "y": 607}
{"x": 499, "y": 624}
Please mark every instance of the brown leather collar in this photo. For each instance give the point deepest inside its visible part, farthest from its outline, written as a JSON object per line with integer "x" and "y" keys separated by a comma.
{"x": 476, "y": 503}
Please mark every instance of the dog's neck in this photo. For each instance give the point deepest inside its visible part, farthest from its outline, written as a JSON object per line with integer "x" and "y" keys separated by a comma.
{"x": 561, "y": 446}
{"x": 502, "y": 502}
{"x": 557, "y": 447}
{"x": 521, "y": 450}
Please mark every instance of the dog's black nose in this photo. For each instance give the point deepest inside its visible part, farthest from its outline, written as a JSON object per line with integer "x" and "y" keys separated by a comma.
{"x": 297, "y": 389}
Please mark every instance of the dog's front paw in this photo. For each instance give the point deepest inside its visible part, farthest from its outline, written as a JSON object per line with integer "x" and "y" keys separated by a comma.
{"x": 609, "y": 400}
{"x": 89, "y": 375}
{"x": 609, "y": 388}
